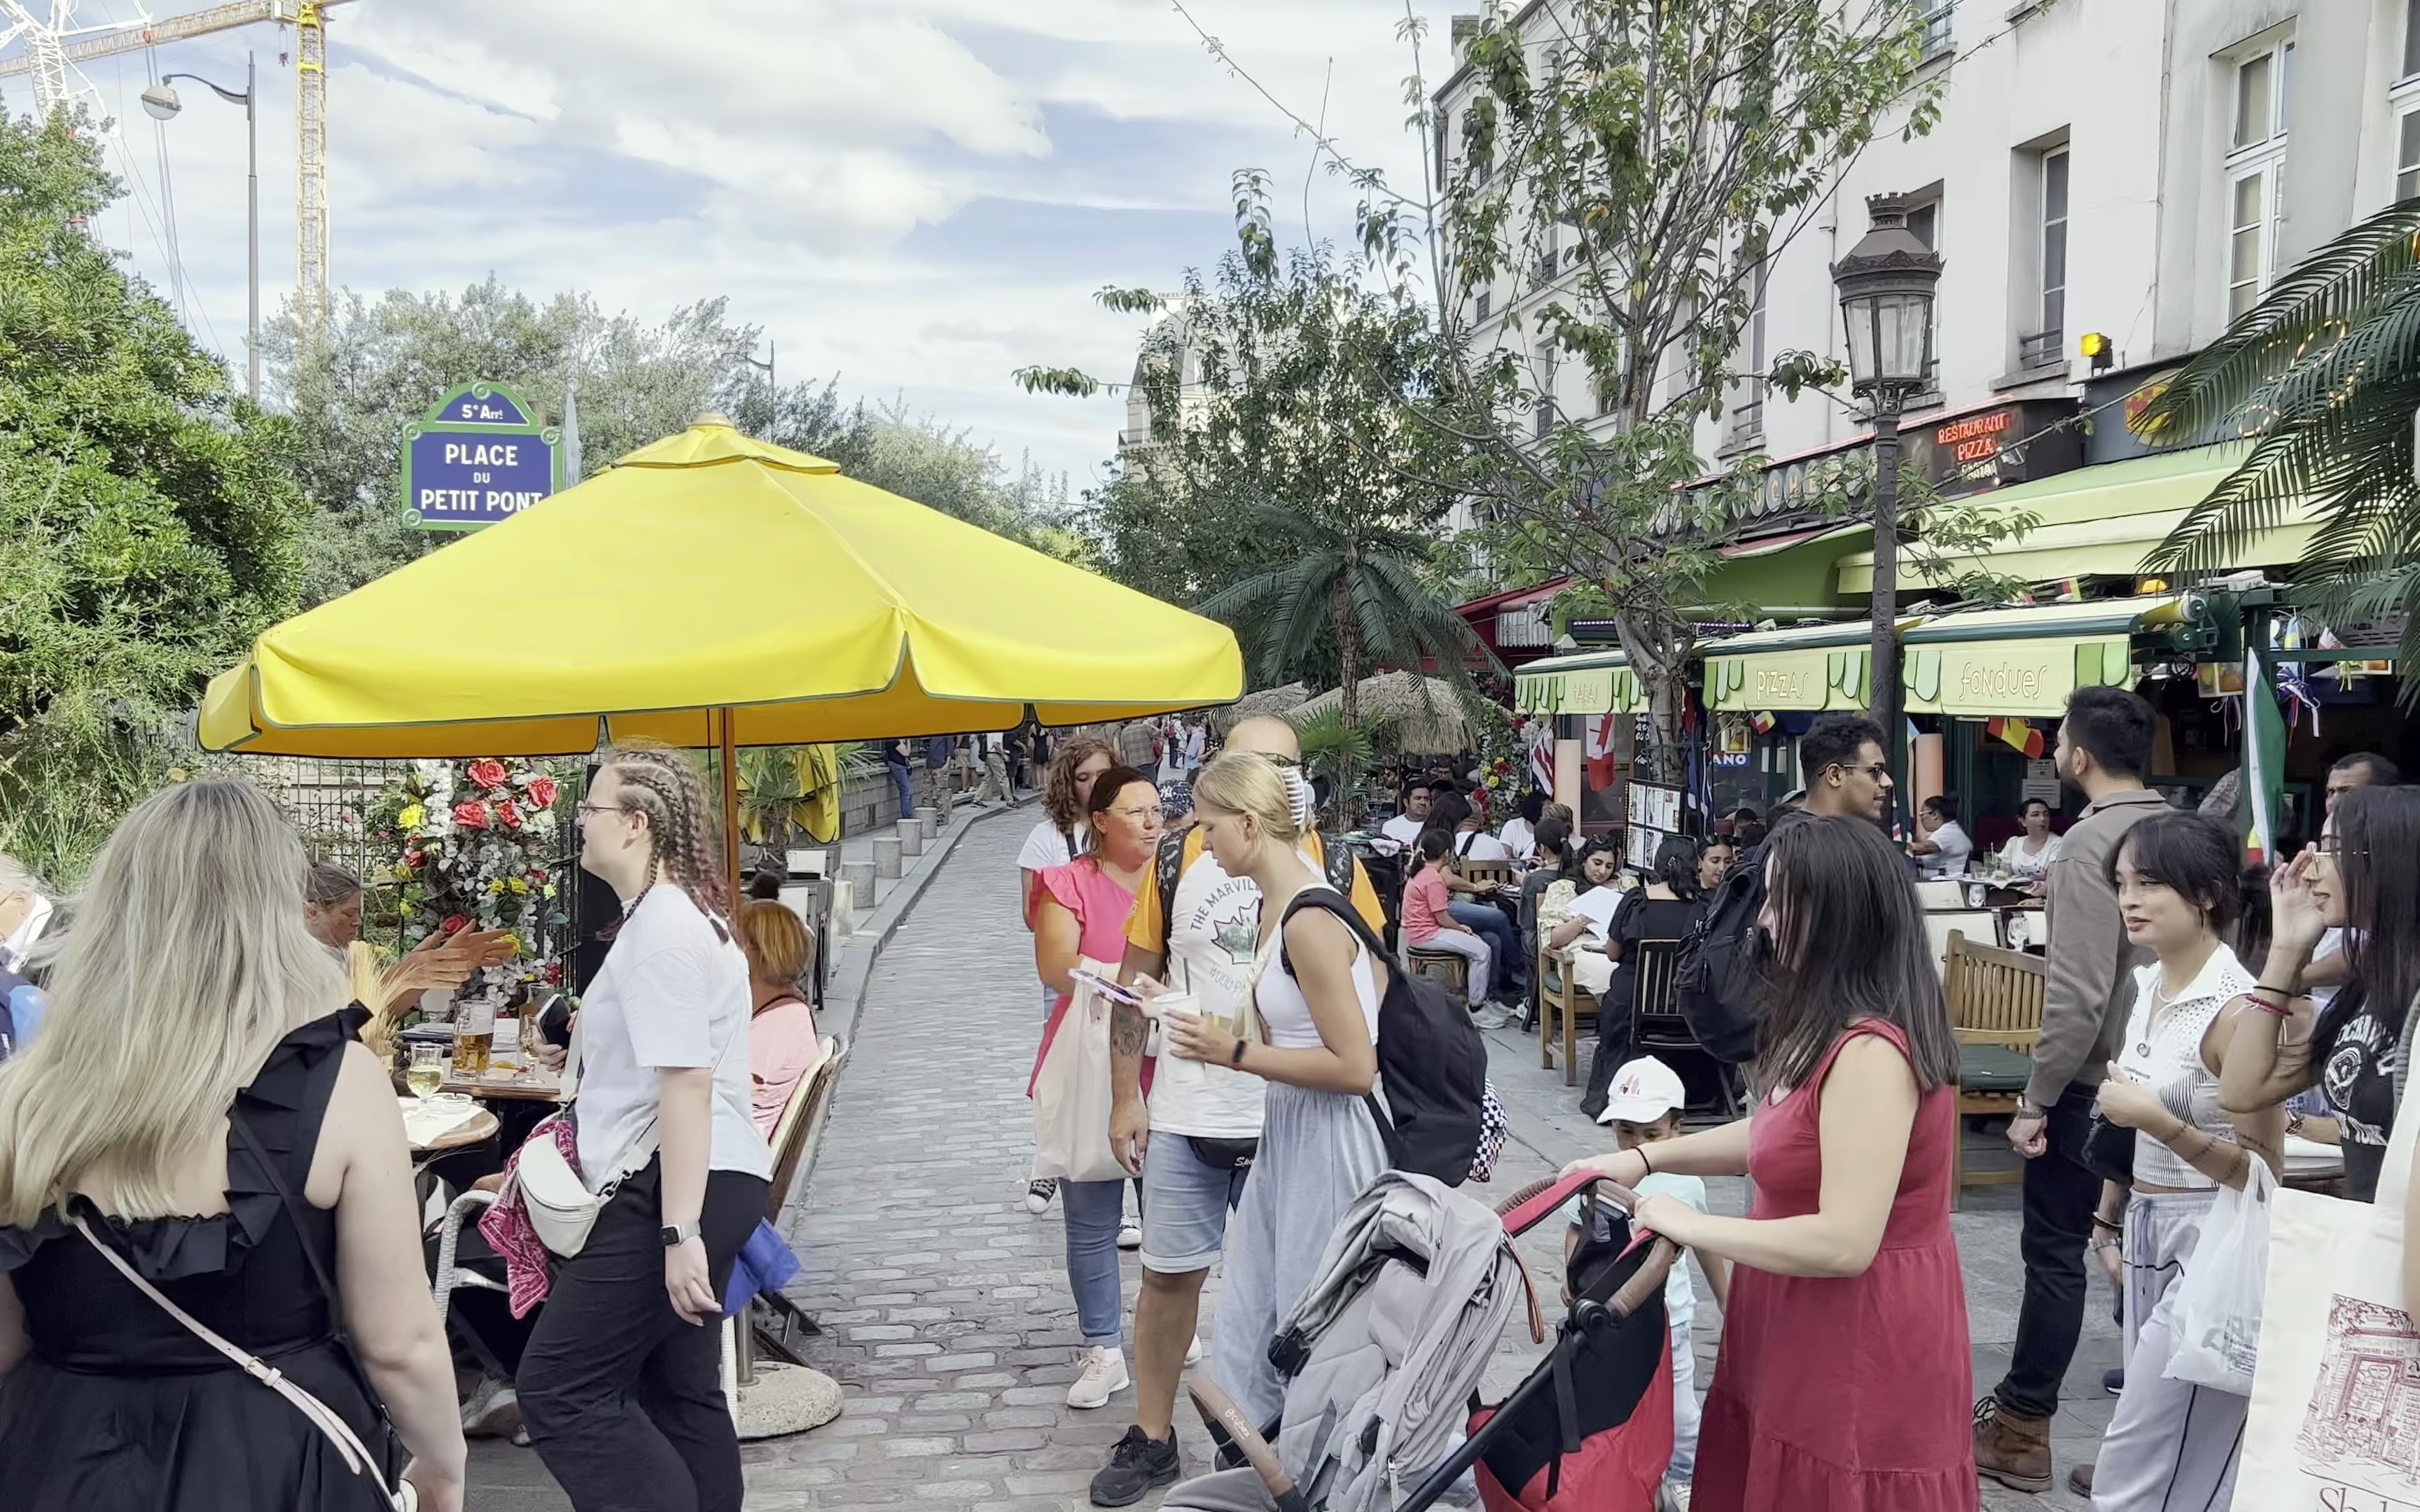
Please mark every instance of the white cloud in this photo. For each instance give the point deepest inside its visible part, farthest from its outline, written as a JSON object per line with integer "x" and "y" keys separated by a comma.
{"x": 918, "y": 194}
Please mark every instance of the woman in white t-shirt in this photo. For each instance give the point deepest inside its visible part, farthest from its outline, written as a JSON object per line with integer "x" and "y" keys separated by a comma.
{"x": 664, "y": 1044}
{"x": 2029, "y": 855}
{"x": 1317, "y": 996}
{"x": 1064, "y": 833}
{"x": 1941, "y": 847}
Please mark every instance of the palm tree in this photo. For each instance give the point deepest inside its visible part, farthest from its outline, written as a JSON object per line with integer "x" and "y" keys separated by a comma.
{"x": 1354, "y": 586}
{"x": 2324, "y": 374}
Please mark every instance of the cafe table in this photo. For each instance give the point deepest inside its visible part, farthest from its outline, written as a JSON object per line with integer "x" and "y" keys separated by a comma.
{"x": 506, "y": 1082}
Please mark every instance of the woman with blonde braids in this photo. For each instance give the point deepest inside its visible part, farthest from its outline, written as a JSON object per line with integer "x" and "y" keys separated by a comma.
{"x": 621, "y": 1384}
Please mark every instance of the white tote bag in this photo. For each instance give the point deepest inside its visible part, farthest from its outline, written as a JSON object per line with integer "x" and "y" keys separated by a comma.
{"x": 2337, "y": 1394}
{"x": 2217, "y": 1318}
{"x": 1072, "y": 1096}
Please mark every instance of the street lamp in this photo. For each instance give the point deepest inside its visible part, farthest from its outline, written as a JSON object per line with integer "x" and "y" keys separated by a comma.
{"x": 1887, "y": 284}
{"x": 161, "y": 103}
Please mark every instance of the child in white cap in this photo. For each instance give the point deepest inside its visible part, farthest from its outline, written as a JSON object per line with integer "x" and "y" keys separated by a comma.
{"x": 1644, "y": 1107}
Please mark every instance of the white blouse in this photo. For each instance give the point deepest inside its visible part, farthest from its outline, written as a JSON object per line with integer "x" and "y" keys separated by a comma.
{"x": 2029, "y": 864}
{"x": 2163, "y": 1052}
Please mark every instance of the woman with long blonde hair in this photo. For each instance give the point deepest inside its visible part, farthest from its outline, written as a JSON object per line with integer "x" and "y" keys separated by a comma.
{"x": 621, "y": 1386}
{"x": 195, "y": 1114}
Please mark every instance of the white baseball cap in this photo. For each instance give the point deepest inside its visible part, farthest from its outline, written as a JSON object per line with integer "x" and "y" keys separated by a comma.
{"x": 1643, "y": 1091}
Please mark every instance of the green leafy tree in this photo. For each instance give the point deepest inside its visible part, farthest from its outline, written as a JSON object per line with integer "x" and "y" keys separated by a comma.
{"x": 147, "y": 517}
{"x": 1281, "y": 397}
{"x": 2324, "y": 373}
{"x": 1655, "y": 154}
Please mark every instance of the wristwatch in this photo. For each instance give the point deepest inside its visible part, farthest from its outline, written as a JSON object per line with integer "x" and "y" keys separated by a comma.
{"x": 676, "y": 1235}
{"x": 2025, "y": 1109}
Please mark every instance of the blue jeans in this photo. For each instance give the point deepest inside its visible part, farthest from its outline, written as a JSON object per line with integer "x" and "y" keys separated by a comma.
{"x": 899, "y": 780}
{"x": 1491, "y": 925}
{"x": 1092, "y": 1212}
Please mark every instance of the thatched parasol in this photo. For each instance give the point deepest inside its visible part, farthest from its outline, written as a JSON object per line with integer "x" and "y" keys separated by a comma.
{"x": 1422, "y": 715}
{"x": 1267, "y": 701}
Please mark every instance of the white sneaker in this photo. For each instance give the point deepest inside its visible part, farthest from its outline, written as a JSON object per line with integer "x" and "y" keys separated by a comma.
{"x": 493, "y": 1409}
{"x": 1130, "y": 1234}
{"x": 1038, "y": 1194}
{"x": 1105, "y": 1374}
{"x": 1193, "y": 1350}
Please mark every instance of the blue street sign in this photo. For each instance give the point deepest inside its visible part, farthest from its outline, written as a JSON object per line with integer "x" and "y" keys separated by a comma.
{"x": 477, "y": 459}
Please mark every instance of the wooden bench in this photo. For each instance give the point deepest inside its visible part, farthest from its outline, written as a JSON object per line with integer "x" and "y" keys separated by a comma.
{"x": 1995, "y": 1008}
{"x": 1561, "y": 1004}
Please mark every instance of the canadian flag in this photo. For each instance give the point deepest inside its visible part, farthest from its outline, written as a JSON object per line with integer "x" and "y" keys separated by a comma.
{"x": 1599, "y": 750}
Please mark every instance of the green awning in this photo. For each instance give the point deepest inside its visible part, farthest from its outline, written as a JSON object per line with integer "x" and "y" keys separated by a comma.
{"x": 2027, "y": 659}
{"x": 1808, "y": 668}
{"x": 2101, "y": 521}
{"x": 1588, "y": 682}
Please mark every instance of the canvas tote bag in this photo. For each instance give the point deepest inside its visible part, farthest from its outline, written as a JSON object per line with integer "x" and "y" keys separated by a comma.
{"x": 2335, "y": 1424}
{"x": 1073, "y": 1093}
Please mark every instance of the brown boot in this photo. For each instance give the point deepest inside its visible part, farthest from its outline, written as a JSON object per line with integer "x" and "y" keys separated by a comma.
{"x": 2010, "y": 1447}
{"x": 2079, "y": 1479}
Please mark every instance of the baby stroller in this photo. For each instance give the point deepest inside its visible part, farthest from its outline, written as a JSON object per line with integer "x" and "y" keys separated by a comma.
{"x": 1384, "y": 1354}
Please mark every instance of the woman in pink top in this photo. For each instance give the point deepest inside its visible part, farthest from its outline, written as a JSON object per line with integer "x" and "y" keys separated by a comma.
{"x": 781, "y": 1043}
{"x": 1082, "y": 915}
{"x": 1427, "y": 921}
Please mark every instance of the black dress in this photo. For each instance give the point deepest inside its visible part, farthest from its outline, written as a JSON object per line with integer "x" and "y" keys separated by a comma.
{"x": 118, "y": 1408}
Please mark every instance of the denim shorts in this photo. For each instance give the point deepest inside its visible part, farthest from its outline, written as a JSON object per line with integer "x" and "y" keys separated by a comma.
{"x": 1185, "y": 1206}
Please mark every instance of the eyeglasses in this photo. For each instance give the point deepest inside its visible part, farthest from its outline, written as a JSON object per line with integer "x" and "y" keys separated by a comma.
{"x": 1879, "y": 772}
{"x": 599, "y": 807}
{"x": 2332, "y": 846}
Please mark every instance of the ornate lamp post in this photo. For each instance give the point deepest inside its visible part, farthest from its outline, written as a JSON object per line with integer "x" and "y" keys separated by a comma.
{"x": 1886, "y": 285}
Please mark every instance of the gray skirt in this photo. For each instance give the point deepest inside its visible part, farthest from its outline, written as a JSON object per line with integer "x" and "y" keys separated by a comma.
{"x": 1318, "y": 1152}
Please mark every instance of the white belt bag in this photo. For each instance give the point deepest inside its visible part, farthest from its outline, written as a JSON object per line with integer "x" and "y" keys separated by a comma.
{"x": 560, "y": 1207}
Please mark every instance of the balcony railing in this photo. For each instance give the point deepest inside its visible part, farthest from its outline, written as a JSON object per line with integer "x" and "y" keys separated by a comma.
{"x": 2040, "y": 350}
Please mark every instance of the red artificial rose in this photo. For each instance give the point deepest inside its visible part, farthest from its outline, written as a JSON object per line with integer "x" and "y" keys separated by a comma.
{"x": 553, "y": 974}
{"x": 487, "y": 772}
{"x": 413, "y": 858}
{"x": 508, "y": 813}
{"x": 542, "y": 791}
{"x": 471, "y": 815}
{"x": 455, "y": 924}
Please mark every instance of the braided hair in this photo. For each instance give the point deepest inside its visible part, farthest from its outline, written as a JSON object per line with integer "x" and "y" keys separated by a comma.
{"x": 683, "y": 827}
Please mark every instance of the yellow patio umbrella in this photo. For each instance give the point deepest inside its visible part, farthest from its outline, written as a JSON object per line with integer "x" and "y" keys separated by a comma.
{"x": 712, "y": 591}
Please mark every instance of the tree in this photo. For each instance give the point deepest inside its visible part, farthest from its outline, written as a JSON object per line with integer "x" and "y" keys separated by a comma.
{"x": 2324, "y": 372}
{"x": 1280, "y": 403}
{"x": 1658, "y": 153}
{"x": 148, "y": 520}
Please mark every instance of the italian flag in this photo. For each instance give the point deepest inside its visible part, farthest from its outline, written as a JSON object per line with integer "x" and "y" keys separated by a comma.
{"x": 2264, "y": 760}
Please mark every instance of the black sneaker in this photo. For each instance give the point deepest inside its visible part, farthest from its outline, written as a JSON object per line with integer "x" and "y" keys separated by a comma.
{"x": 1138, "y": 1464}
{"x": 2113, "y": 1381}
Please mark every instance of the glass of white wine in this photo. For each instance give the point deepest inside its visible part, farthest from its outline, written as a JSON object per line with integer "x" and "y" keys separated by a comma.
{"x": 426, "y": 1071}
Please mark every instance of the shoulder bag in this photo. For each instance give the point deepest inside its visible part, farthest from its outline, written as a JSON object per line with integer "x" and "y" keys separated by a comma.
{"x": 560, "y": 1207}
{"x": 2339, "y": 1355}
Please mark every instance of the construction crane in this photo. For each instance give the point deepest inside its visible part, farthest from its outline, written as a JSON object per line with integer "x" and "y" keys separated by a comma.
{"x": 53, "y": 44}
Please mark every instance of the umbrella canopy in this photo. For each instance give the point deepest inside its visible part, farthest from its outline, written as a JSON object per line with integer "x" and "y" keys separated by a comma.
{"x": 1267, "y": 701}
{"x": 708, "y": 572}
{"x": 1423, "y": 716}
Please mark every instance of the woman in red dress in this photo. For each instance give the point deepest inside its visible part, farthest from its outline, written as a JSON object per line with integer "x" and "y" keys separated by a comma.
{"x": 1844, "y": 1376}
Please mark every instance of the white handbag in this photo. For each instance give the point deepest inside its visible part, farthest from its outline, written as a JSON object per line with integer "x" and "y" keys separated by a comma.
{"x": 403, "y": 1496}
{"x": 2338, "y": 1377}
{"x": 1073, "y": 1092}
{"x": 562, "y": 1209}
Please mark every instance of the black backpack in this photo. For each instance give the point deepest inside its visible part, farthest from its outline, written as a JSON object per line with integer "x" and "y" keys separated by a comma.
{"x": 1721, "y": 973}
{"x": 1431, "y": 1060}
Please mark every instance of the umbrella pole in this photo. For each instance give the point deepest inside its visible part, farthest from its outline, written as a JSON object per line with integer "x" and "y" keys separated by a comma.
{"x": 730, "y": 804}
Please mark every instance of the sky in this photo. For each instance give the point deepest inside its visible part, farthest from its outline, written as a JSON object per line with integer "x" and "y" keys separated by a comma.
{"x": 918, "y": 197}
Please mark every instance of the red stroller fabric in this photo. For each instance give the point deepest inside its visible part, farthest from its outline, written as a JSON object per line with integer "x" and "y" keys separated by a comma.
{"x": 1619, "y": 1469}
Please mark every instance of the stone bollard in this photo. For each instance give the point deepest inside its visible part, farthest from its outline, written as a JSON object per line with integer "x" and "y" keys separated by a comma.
{"x": 886, "y": 857}
{"x": 859, "y": 876}
{"x": 912, "y": 839}
{"x": 928, "y": 822}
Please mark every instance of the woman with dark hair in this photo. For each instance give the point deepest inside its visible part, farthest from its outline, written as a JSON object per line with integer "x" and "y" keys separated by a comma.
{"x": 1846, "y": 1272}
{"x": 1941, "y": 847}
{"x": 2172, "y": 1442}
{"x": 1578, "y": 935}
{"x": 1661, "y": 909}
{"x": 1552, "y": 860}
{"x": 1062, "y": 834}
{"x": 2028, "y": 853}
{"x": 2360, "y": 878}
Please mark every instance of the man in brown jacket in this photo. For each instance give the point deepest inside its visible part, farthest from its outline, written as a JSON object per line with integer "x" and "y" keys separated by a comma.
{"x": 2104, "y": 746}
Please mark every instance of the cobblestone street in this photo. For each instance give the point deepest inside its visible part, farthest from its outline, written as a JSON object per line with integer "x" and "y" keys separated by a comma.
{"x": 945, "y": 1303}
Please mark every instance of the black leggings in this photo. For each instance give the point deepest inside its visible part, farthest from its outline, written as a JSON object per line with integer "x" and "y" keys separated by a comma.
{"x": 623, "y": 1397}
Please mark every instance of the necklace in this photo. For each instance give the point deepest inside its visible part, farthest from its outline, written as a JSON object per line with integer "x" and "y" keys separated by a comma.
{"x": 2151, "y": 1022}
